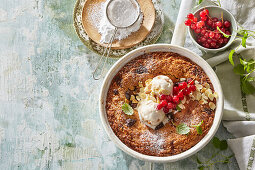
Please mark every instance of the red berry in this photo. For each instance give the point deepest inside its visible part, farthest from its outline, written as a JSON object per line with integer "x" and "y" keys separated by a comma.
{"x": 203, "y": 13}
{"x": 175, "y": 99}
{"x": 209, "y": 22}
{"x": 214, "y": 19}
{"x": 176, "y": 90}
{"x": 199, "y": 40}
{"x": 206, "y": 45}
{"x": 190, "y": 16}
{"x": 163, "y": 103}
{"x": 219, "y": 24}
{"x": 187, "y": 22}
{"x": 206, "y": 11}
{"x": 180, "y": 95}
{"x": 198, "y": 30}
{"x": 190, "y": 82}
{"x": 169, "y": 98}
{"x": 193, "y": 26}
{"x": 203, "y": 31}
{"x": 192, "y": 88}
{"x": 227, "y": 24}
{"x": 223, "y": 30}
{"x": 171, "y": 105}
{"x": 217, "y": 36}
{"x": 203, "y": 39}
{"x": 162, "y": 97}
{"x": 159, "y": 106}
{"x": 206, "y": 35}
{"x": 211, "y": 34}
{"x": 209, "y": 41}
{"x": 204, "y": 18}
{"x": 221, "y": 40}
{"x": 213, "y": 44}
{"x": 228, "y": 33}
{"x": 195, "y": 19}
{"x": 226, "y": 40}
{"x": 165, "y": 109}
{"x": 186, "y": 92}
{"x": 182, "y": 85}
{"x": 200, "y": 24}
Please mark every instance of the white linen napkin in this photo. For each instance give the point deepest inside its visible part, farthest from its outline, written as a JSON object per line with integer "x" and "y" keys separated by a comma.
{"x": 239, "y": 109}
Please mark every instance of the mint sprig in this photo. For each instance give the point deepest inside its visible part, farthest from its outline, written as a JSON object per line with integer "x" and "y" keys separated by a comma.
{"x": 220, "y": 146}
{"x": 243, "y": 68}
{"x": 198, "y": 128}
{"x": 182, "y": 129}
{"x": 127, "y": 109}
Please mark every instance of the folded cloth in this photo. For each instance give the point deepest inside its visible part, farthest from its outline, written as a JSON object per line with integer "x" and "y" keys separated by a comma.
{"x": 239, "y": 109}
{"x": 244, "y": 149}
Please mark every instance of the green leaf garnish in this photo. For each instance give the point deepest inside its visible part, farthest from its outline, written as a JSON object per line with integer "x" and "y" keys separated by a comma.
{"x": 199, "y": 2}
{"x": 245, "y": 36}
{"x": 247, "y": 87}
{"x": 127, "y": 109}
{"x": 182, "y": 129}
{"x": 230, "y": 57}
{"x": 239, "y": 69}
{"x": 199, "y": 128}
{"x": 225, "y": 35}
{"x": 220, "y": 144}
{"x": 178, "y": 108}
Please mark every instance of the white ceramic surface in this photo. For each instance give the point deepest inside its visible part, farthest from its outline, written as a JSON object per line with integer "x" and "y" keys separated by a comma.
{"x": 215, "y": 11}
{"x": 162, "y": 48}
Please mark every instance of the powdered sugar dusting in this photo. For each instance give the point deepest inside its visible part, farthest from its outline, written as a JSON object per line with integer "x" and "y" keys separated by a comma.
{"x": 95, "y": 13}
{"x": 155, "y": 141}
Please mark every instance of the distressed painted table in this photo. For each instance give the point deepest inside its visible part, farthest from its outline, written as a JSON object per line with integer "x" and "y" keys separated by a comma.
{"x": 48, "y": 100}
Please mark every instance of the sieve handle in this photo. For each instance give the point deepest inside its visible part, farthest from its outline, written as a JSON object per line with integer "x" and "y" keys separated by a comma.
{"x": 180, "y": 29}
{"x": 107, "y": 51}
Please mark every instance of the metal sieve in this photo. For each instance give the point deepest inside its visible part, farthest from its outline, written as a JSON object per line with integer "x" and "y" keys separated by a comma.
{"x": 111, "y": 19}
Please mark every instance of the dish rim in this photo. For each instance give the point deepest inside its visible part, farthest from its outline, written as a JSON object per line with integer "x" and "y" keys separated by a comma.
{"x": 161, "y": 48}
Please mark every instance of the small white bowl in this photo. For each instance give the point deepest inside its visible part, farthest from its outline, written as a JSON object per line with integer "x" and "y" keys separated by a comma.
{"x": 215, "y": 11}
{"x": 161, "y": 48}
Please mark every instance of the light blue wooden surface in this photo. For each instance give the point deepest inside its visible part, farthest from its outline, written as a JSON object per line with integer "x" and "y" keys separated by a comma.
{"x": 48, "y": 100}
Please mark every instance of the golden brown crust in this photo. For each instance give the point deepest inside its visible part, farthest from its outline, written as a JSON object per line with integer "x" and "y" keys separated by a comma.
{"x": 165, "y": 141}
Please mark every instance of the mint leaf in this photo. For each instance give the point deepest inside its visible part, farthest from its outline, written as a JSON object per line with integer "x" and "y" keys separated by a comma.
{"x": 201, "y": 167}
{"x": 245, "y": 36}
{"x": 225, "y": 35}
{"x": 199, "y": 2}
{"x": 247, "y": 87}
{"x": 223, "y": 145}
{"x": 230, "y": 57}
{"x": 216, "y": 142}
{"x": 199, "y": 128}
{"x": 182, "y": 129}
{"x": 239, "y": 69}
{"x": 220, "y": 144}
{"x": 127, "y": 109}
{"x": 178, "y": 108}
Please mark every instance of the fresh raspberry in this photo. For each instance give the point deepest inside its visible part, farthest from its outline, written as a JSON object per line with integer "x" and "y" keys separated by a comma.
{"x": 182, "y": 85}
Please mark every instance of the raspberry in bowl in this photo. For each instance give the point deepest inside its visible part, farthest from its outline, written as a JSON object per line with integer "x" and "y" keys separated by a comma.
{"x": 204, "y": 32}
